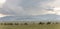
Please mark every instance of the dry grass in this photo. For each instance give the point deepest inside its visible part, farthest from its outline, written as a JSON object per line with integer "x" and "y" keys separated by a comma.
{"x": 31, "y": 26}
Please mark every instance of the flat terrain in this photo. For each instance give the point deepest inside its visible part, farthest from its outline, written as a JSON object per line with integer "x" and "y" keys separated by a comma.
{"x": 32, "y": 26}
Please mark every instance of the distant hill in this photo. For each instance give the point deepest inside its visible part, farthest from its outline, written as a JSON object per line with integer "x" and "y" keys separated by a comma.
{"x": 48, "y": 17}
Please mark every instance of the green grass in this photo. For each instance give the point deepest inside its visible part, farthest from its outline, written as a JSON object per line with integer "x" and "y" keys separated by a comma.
{"x": 33, "y": 26}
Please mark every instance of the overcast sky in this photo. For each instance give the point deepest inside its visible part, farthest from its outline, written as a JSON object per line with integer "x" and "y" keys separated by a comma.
{"x": 30, "y": 7}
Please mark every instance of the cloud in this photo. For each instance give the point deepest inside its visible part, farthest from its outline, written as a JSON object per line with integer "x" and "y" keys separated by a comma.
{"x": 29, "y": 7}
{"x": 2, "y": 2}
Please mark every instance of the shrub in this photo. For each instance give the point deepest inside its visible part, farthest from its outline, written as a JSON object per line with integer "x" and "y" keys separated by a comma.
{"x": 48, "y": 22}
{"x": 41, "y": 23}
{"x": 25, "y": 24}
{"x": 1, "y": 23}
{"x": 10, "y": 23}
{"x": 16, "y": 23}
{"x": 5, "y": 23}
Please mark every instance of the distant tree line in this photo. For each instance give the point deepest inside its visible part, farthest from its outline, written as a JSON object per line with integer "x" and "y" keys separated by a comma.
{"x": 27, "y": 23}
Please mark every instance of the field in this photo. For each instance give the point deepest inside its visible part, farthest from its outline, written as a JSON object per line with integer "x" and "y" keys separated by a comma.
{"x": 31, "y": 26}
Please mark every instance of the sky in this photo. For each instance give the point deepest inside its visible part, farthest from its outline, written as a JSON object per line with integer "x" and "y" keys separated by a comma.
{"x": 29, "y": 7}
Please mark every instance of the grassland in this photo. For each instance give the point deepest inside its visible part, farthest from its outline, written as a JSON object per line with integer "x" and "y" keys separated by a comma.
{"x": 31, "y": 26}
